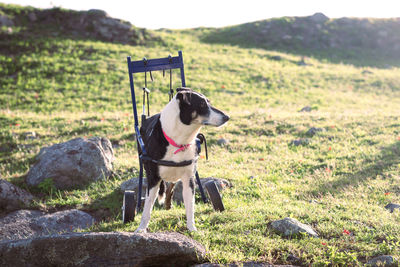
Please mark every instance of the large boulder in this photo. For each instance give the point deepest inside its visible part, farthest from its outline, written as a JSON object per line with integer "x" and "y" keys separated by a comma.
{"x": 73, "y": 163}
{"x": 103, "y": 249}
{"x": 23, "y": 224}
{"x": 13, "y": 197}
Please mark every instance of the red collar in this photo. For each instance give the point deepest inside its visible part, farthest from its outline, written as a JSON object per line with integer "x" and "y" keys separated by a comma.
{"x": 172, "y": 142}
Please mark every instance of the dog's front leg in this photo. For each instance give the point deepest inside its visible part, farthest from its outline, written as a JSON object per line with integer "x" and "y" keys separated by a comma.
{"x": 188, "y": 200}
{"x": 148, "y": 206}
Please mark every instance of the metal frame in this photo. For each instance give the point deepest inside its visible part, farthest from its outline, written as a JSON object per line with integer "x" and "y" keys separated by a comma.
{"x": 147, "y": 65}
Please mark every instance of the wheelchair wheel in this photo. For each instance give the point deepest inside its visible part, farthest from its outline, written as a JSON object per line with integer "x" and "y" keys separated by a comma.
{"x": 215, "y": 196}
{"x": 128, "y": 207}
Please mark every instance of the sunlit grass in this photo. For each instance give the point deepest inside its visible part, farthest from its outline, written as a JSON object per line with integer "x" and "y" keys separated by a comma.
{"x": 340, "y": 180}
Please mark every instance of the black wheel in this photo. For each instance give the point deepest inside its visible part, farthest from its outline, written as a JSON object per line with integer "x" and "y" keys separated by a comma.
{"x": 215, "y": 196}
{"x": 128, "y": 207}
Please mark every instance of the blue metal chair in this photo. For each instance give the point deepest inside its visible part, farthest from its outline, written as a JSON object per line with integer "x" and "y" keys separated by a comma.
{"x": 144, "y": 66}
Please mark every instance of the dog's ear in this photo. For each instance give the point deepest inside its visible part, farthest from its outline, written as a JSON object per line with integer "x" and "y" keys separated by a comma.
{"x": 184, "y": 98}
{"x": 182, "y": 89}
{"x": 184, "y": 107}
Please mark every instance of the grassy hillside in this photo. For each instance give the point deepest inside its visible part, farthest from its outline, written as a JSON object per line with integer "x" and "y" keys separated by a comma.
{"x": 338, "y": 181}
{"x": 351, "y": 40}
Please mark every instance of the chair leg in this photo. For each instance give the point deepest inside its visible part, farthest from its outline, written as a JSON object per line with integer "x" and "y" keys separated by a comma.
{"x": 203, "y": 196}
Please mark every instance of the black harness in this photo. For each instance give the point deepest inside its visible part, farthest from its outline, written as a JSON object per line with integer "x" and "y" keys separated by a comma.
{"x": 148, "y": 126}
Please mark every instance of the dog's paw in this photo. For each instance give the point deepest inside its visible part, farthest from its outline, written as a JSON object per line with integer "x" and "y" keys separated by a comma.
{"x": 140, "y": 230}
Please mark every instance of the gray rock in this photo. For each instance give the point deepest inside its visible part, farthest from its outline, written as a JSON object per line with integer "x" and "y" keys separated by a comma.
{"x": 103, "y": 249}
{"x": 97, "y": 13}
{"x": 221, "y": 184}
{"x": 367, "y": 72}
{"x": 222, "y": 142}
{"x": 383, "y": 261}
{"x": 13, "y": 197}
{"x": 392, "y": 207}
{"x": 32, "y": 17}
{"x": 73, "y": 163}
{"x": 133, "y": 185}
{"x": 5, "y": 20}
{"x": 276, "y": 58}
{"x": 319, "y": 17}
{"x": 306, "y": 109}
{"x": 30, "y": 135}
{"x": 313, "y": 130}
{"x": 289, "y": 226}
{"x": 23, "y": 224}
{"x": 301, "y": 141}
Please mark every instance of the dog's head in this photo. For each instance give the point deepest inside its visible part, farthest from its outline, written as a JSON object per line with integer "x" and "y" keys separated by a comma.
{"x": 195, "y": 108}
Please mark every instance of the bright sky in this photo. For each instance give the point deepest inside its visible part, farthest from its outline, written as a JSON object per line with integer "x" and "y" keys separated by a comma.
{"x": 179, "y": 14}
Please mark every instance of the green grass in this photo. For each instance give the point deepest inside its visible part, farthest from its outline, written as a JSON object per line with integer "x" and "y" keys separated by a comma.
{"x": 341, "y": 180}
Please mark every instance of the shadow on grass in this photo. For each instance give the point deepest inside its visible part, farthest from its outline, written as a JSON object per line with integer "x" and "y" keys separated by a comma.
{"x": 372, "y": 167}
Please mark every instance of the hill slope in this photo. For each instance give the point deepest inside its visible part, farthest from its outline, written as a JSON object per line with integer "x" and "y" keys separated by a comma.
{"x": 343, "y": 39}
{"x": 338, "y": 180}
{"x": 23, "y": 22}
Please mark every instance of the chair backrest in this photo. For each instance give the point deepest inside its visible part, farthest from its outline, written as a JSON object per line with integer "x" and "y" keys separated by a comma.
{"x": 146, "y": 65}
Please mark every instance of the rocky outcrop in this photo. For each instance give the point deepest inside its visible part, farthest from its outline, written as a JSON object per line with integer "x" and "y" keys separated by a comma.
{"x": 91, "y": 24}
{"x": 33, "y": 223}
{"x": 103, "y": 249}
{"x": 73, "y": 163}
{"x": 13, "y": 197}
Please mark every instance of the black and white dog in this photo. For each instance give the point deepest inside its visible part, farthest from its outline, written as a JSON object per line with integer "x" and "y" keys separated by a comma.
{"x": 170, "y": 135}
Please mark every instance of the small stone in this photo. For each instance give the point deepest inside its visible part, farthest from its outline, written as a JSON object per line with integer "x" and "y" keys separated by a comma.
{"x": 32, "y": 17}
{"x": 222, "y": 142}
{"x": 367, "y": 72}
{"x": 276, "y": 58}
{"x": 392, "y": 207}
{"x": 319, "y": 17}
{"x": 313, "y": 130}
{"x": 30, "y": 135}
{"x": 382, "y": 261}
{"x": 306, "y": 109}
{"x": 301, "y": 141}
{"x": 293, "y": 258}
{"x": 289, "y": 226}
{"x": 97, "y": 13}
{"x": 5, "y": 21}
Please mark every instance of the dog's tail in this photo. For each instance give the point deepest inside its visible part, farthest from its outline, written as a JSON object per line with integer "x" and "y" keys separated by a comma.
{"x": 161, "y": 193}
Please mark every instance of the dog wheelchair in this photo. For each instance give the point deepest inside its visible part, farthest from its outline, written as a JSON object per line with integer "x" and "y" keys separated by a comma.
{"x": 131, "y": 204}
